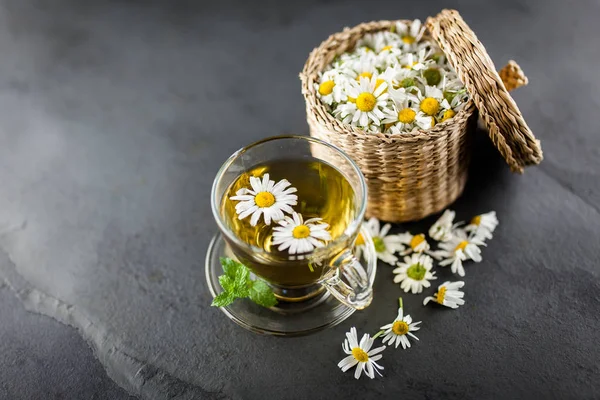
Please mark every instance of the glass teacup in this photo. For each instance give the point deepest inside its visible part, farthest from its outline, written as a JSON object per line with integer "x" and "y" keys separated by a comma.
{"x": 290, "y": 208}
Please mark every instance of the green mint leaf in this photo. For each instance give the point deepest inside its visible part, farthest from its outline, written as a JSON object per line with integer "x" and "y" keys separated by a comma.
{"x": 237, "y": 284}
{"x": 261, "y": 294}
{"x": 230, "y": 267}
{"x": 223, "y": 299}
{"x": 227, "y": 283}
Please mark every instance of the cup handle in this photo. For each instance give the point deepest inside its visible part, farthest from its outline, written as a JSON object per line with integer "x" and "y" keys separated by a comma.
{"x": 351, "y": 283}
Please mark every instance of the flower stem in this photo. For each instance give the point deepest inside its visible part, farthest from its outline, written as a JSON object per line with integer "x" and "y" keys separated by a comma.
{"x": 378, "y": 334}
{"x": 400, "y": 301}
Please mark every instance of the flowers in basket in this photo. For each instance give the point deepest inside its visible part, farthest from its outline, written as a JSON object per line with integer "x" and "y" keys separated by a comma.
{"x": 392, "y": 82}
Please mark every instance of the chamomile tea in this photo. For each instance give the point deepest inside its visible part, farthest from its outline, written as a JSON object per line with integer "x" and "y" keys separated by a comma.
{"x": 288, "y": 208}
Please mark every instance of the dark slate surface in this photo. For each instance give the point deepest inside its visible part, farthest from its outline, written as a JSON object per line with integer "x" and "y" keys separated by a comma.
{"x": 201, "y": 80}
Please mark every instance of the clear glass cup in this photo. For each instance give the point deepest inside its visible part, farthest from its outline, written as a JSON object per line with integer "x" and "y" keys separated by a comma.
{"x": 334, "y": 266}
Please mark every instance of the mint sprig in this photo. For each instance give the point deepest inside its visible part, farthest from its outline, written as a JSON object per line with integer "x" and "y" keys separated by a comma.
{"x": 236, "y": 284}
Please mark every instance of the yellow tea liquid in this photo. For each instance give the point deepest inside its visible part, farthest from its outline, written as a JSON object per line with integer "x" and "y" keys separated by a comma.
{"x": 323, "y": 192}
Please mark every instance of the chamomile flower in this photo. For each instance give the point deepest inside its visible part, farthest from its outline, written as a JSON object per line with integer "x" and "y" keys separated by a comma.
{"x": 410, "y": 34}
{"x": 363, "y": 67}
{"x": 377, "y": 41}
{"x": 385, "y": 245}
{"x": 299, "y": 236}
{"x": 414, "y": 273}
{"x": 400, "y": 329}
{"x": 448, "y": 294}
{"x": 441, "y": 230}
{"x": 416, "y": 61}
{"x": 432, "y": 101}
{"x": 331, "y": 88}
{"x": 404, "y": 115}
{"x": 370, "y": 101}
{"x": 416, "y": 243}
{"x": 483, "y": 225}
{"x": 266, "y": 198}
{"x": 361, "y": 355}
{"x": 458, "y": 249}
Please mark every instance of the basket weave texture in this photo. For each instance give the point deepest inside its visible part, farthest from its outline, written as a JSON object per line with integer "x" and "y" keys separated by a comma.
{"x": 410, "y": 175}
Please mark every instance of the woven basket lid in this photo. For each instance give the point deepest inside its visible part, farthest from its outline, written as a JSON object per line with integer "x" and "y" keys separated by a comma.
{"x": 507, "y": 127}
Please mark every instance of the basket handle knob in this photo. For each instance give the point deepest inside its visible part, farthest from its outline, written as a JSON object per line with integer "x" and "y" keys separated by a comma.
{"x": 513, "y": 76}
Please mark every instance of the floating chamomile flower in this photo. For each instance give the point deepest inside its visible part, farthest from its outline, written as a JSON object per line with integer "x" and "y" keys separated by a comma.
{"x": 416, "y": 243}
{"x": 441, "y": 230}
{"x": 361, "y": 355}
{"x": 299, "y": 236}
{"x": 483, "y": 225}
{"x": 410, "y": 34}
{"x": 400, "y": 329}
{"x": 414, "y": 273}
{"x": 458, "y": 249}
{"x": 266, "y": 198}
{"x": 385, "y": 245}
{"x": 448, "y": 294}
{"x": 370, "y": 101}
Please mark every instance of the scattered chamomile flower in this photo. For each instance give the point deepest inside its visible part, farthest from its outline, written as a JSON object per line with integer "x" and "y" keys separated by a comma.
{"x": 266, "y": 198}
{"x": 448, "y": 294}
{"x": 299, "y": 236}
{"x": 361, "y": 355}
{"x": 441, "y": 230}
{"x": 414, "y": 273}
{"x": 483, "y": 225}
{"x": 385, "y": 245}
{"x": 416, "y": 243}
{"x": 400, "y": 329}
{"x": 458, "y": 249}
{"x": 410, "y": 34}
{"x": 369, "y": 104}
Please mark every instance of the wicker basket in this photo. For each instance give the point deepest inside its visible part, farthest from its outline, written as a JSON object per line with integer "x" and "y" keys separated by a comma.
{"x": 413, "y": 175}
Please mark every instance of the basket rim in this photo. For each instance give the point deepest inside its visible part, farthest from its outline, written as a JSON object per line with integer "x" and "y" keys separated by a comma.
{"x": 310, "y": 73}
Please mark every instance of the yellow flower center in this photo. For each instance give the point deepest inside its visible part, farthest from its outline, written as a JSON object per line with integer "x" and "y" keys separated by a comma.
{"x": 360, "y": 240}
{"x": 351, "y": 99}
{"x": 360, "y": 355}
{"x": 367, "y": 75}
{"x": 326, "y": 88}
{"x": 408, "y": 39}
{"x": 430, "y": 106}
{"x": 476, "y": 220}
{"x": 417, "y": 240}
{"x": 432, "y": 122}
{"x": 447, "y": 115}
{"x": 461, "y": 245}
{"x": 366, "y": 102}
{"x": 407, "y": 116}
{"x": 441, "y": 294}
{"x": 264, "y": 199}
{"x": 386, "y": 48}
{"x": 301, "y": 232}
{"x": 400, "y": 328}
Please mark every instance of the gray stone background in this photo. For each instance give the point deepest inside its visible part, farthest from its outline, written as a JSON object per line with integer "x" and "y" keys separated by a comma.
{"x": 114, "y": 118}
